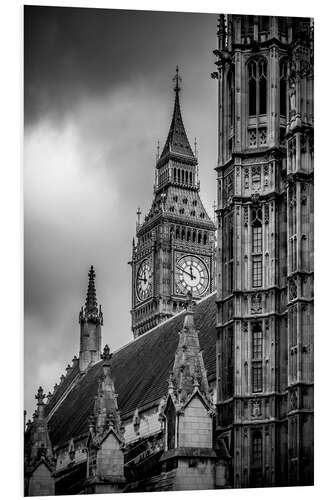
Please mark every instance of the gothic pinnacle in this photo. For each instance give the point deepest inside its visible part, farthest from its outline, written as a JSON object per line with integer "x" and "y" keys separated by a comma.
{"x": 91, "y": 302}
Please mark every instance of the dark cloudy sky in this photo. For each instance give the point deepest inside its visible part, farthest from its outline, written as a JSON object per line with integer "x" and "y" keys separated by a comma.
{"x": 98, "y": 96}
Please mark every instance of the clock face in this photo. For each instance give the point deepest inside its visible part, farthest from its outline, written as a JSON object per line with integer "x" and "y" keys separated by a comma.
{"x": 191, "y": 274}
{"x": 144, "y": 280}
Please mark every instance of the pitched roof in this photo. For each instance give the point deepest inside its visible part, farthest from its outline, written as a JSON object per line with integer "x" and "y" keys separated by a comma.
{"x": 140, "y": 370}
{"x": 177, "y": 142}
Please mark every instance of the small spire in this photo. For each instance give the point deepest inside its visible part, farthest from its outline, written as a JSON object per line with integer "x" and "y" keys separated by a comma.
{"x": 214, "y": 206}
{"x": 177, "y": 80}
{"x": 91, "y": 302}
{"x": 189, "y": 302}
{"x": 195, "y": 147}
{"x": 138, "y": 213}
{"x": 158, "y": 151}
{"x": 106, "y": 353}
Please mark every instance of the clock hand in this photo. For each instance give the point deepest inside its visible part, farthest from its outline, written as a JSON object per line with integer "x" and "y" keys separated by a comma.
{"x": 183, "y": 270}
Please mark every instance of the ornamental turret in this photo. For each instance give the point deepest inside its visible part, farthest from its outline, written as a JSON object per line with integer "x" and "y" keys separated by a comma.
{"x": 105, "y": 445}
{"x": 38, "y": 453}
{"x": 91, "y": 321}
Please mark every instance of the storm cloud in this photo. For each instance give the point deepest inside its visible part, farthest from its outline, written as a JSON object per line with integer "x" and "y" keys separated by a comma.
{"x": 98, "y": 96}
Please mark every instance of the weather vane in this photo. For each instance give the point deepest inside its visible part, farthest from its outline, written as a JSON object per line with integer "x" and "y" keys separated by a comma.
{"x": 177, "y": 79}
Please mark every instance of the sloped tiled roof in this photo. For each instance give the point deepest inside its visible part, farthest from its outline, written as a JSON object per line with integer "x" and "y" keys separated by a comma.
{"x": 140, "y": 370}
{"x": 58, "y": 394}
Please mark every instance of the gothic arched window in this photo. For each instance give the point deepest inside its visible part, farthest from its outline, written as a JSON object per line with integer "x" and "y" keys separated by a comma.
{"x": 252, "y": 88}
{"x": 257, "y": 351}
{"x": 283, "y": 87}
{"x": 256, "y": 458}
{"x": 262, "y": 87}
{"x": 256, "y": 247}
{"x": 257, "y": 87}
{"x": 230, "y": 81}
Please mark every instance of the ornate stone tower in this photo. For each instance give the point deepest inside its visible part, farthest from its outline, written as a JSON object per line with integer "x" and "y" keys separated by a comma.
{"x": 91, "y": 321}
{"x": 173, "y": 253}
{"x": 265, "y": 248}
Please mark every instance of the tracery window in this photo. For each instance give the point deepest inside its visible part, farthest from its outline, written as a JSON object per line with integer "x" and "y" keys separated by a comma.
{"x": 231, "y": 98}
{"x": 283, "y": 87}
{"x": 257, "y": 351}
{"x": 257, "y": 86}
{"x": 257, "y": 247}
{"x": 256, "y": 458}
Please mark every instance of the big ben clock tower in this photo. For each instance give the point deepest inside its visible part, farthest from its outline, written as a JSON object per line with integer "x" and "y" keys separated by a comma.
{"x": 174, "y": 248}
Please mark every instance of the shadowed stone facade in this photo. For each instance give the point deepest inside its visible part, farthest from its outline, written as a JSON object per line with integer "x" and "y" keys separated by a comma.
{"x": 265, "y": 248}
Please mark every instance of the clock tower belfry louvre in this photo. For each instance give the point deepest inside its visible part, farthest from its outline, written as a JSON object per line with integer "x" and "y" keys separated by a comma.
{"x": 174, "y": 248}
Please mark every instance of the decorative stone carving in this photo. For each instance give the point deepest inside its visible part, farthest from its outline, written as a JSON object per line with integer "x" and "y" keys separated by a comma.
{"x": 246, "y": 178}
{"x": 293, "y": 399}
{"x": 266, "y": 175}
{"x": 256, "y": 174}
{"x": 292, "y": 289}
{"x": 255, "y": 198}
{"x": 256, "y": 303}
{"x": 266, "y": 214}
{"x": 246, "y": 215}
{"x": 256, "y": 408}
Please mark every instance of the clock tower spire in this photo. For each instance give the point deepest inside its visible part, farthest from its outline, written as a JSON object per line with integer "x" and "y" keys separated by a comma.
{"x": 174, "y": 247}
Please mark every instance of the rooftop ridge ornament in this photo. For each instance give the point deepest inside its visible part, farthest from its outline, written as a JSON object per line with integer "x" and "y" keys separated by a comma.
{"x": 40, "y": 396}
{"x": 177, "y": 81}
{"x": 106, "y": 355}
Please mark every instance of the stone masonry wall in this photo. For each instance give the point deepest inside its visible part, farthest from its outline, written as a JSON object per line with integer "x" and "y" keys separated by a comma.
{"x": 195, "y": 474}
{"x": 195, "y": 426}
{"x": 41, "y": 482}
{"x": 110, "y": 459}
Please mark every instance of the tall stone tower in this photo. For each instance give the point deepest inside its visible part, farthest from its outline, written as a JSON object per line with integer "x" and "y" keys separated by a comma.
{"x": 91, "y": 321}
{"x": 173, "y": 253}
{"x": 265, "y": 248}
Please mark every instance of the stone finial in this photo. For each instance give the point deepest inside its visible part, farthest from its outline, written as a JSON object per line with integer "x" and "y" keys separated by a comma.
{"x": 75, "y": 361}
{"x": 189, "y": 307}
{"x": 106, "y": 355}
{"x": 91, "y": 423}
{"x": 68, "y": 369}
{"x": 40, "y": 396}
{"x": 171, "y": 383}
{"x": 62, "y": 378}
